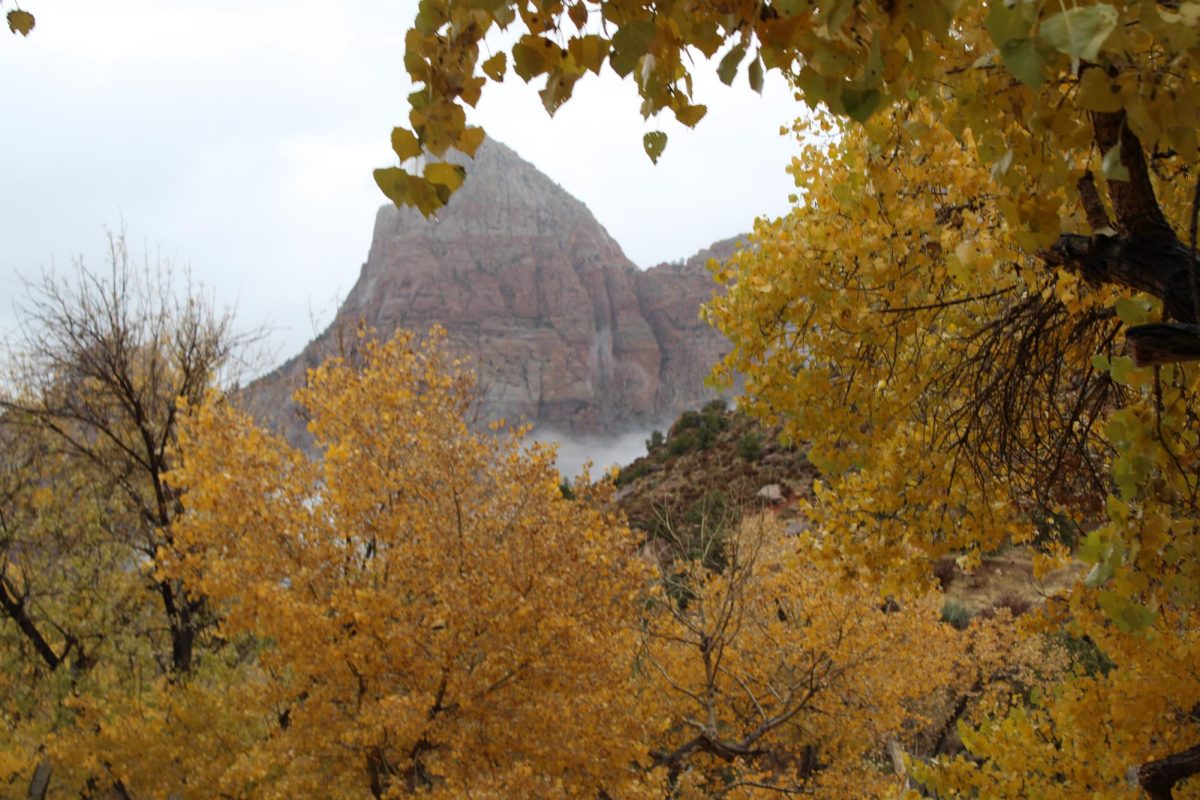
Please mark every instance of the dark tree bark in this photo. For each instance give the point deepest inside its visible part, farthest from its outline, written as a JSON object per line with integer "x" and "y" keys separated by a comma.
{"x": 1163, "y": 343}
{"x": 1158, "y": 778}
{"x": 1144, "y": 255}
{"x": 14, "y": 608}
{"x": 1154, "y": 264}
{"x": 40, "y": 784}
{"x": 1133, "y": 201}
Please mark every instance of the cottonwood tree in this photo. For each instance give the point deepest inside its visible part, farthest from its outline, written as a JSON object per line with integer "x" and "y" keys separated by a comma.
{"x": 772, "y": 677}
{"x": 989, "y": 402}
{"x": 432, "y": 615}
{"x": 98, "y": 374}
{"x": 104, "y": 363}
{"x": 963, "y": 313}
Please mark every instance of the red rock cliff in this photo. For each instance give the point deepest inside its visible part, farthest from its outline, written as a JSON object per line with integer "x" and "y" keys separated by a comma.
{"x": 564, "y": 331}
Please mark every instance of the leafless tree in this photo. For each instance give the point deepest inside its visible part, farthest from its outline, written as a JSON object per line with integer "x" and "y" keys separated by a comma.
{"x": 104, "y": 362}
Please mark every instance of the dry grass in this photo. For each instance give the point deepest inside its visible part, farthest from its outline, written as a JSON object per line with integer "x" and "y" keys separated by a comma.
{"x": 1008, "y": 580}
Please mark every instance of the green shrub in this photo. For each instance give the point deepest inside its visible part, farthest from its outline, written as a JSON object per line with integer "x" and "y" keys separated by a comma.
{"x": 750, "y": 447}
{"x": 956, "y": 614}
{"x": 714, "y": 419}
{"x": 1086, "y": 655}
{"x": 697, "y": 430}
{"x": 682, "y": 443}
{"x": 709, "y": 521}
{"x": 656, "y": 440}
{"x": 713, "y": 509}
{"x": 632, "y": 472}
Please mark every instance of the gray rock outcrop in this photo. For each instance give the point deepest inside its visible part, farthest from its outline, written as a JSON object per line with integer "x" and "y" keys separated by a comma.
{"x": 563, "y": 330}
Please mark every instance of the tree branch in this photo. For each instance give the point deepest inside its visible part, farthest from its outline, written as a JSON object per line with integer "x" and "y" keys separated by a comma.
{"x": 1158, "y": 778}
{"x": 40, "y": 784}
{"x": 1163, "y": 343}
{"x": 1155, "y": 265}
{"x": 1145, "y": 256}
{"x": 14, "y": 609}
{"x": 1133, "y": 201}
{"x": 1093, "y": 206}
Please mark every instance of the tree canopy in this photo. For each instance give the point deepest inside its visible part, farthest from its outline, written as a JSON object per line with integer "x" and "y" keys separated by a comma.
{"x": 434, "y": 616}
{"x": 423, "y": 611}
{"x": 980, "y": 313}
{"x": 961, "y": 396}
{"x": 1025, "y": 76}
{"x": 89, "y": 419}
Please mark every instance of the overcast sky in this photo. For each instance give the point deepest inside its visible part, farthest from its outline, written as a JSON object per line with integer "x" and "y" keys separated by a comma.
{"x": 237, "y": 137}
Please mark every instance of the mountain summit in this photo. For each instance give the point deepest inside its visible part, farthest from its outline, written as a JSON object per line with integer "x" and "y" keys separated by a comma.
{"x": 564, "y": 331}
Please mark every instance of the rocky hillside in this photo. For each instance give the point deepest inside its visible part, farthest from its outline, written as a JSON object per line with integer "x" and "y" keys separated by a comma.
{"x": 563, "y": 329}
{"x": 713, "y": 466}
{"x": 716, "y": 464}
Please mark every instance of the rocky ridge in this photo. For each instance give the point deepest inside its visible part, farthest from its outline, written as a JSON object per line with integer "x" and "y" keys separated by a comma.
{"x": 714, "y": 467}
{"x": 564, "y": 331}
{"x": 718, "y": 464}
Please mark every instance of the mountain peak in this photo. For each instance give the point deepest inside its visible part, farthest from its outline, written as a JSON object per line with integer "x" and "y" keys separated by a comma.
{"x": 563, "y": 330}
{"x": 503, "y": 195}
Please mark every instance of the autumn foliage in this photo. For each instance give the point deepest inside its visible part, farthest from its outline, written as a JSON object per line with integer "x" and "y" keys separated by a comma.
{"x": 422, "y": 611}
{"x": 981, "y": 317}
{"x": 982, "y": 313}
{"x": 431, "y": 614}
{"x": 962, "y": 394}
{"x": 774, "y": 676}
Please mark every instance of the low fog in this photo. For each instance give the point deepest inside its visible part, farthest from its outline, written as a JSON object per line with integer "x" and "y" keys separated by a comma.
{"x": 603, "y": 451}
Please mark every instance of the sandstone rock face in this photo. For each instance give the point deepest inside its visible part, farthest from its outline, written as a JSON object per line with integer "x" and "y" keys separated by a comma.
{"x": 563, "y": 330}
{"x": 670, "y": 297}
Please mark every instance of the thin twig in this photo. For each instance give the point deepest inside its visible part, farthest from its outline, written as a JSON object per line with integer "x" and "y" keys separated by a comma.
{"x": 1192, "y": 253}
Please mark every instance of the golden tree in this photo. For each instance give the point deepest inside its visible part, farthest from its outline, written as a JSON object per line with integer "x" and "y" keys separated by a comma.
{"x": 429, "y": 613}
{"x": 772, "y": 676}
{"x": 964, "y": 312}
{"x": 985, "y": 404}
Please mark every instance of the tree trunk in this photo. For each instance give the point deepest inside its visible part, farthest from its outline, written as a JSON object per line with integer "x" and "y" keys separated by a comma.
{"x": 1158, "y": 778}
{"x": 41, "y": 781}
{"x": 183, "y": 619}
{"x": 1152, "y": 264}
{"x": 1145, "y": 255}
{"x": 14, "y": 608}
